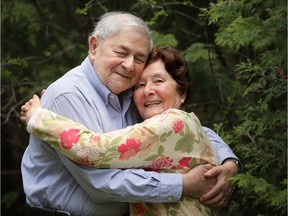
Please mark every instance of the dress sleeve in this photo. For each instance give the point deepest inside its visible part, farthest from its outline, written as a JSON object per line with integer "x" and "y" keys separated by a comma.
{"x": 171, "y": 141}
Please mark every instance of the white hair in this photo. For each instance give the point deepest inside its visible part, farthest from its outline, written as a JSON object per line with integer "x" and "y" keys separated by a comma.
{"x": 111, "y": 23}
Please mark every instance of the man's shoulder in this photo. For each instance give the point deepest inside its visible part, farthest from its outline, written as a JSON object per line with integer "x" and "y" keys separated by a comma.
{"x": 72, "y": 81}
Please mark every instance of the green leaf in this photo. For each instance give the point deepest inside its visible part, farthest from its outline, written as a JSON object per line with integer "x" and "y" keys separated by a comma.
{"x": 152, "y": 157}
{"x": 105, "y": 166}
{"x": 116, "y": 140}
{"x": 160, "y": 150}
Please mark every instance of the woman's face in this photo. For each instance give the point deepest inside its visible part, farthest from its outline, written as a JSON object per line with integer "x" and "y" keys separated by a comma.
{"x": 156, "y": 91}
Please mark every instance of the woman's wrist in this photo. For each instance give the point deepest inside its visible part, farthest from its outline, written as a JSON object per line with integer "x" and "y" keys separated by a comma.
{"x": 33, "y": 119}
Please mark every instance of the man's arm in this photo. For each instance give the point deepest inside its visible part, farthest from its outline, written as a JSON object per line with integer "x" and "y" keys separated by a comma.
{"x": 223, "y": 151}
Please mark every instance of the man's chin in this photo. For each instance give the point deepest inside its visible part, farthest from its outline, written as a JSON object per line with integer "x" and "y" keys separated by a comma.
{"x": 119, "y": 89}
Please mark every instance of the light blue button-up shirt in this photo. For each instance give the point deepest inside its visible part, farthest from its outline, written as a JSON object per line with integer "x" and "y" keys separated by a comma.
{"x": 51, "y": 180}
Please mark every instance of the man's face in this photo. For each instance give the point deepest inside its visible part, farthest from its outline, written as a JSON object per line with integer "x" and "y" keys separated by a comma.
{"x": 120, "y": 59}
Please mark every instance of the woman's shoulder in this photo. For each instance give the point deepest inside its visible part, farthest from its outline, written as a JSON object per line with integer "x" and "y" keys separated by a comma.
{"x": 177, "y": 111}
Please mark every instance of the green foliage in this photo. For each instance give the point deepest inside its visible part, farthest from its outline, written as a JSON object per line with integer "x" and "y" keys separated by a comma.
{"x": 259, "y": 194}
{"x": 198, "y": 51}
{"x": 235, "y": 30}
{"x": 258, "y": 133}
{"x": 237, "y": 56}
{"x": 161, "y": 40}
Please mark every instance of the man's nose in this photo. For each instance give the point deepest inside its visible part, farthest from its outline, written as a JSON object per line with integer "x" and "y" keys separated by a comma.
{"x": 129, "y": 63}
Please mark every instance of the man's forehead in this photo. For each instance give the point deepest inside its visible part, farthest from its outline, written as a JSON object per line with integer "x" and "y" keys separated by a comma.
{"x": 135, "y": 36}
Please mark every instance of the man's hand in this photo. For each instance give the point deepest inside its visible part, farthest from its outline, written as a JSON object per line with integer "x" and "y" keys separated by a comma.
{"x": 195, "y": 183}
{"x": 220, "y": 194}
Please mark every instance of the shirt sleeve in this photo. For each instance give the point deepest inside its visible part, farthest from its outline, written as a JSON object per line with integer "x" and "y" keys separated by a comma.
{"x": 102, "y": 185}
{"x": 137, "y": 146}
{"x": 223, "y": 151}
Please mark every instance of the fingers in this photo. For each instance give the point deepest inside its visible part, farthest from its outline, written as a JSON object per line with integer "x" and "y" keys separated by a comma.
{"x": 221, "y": 193}
{"x": 35, "y": 97}
{"x": 194, "y": 182}
{"x": 213, "y": 172}
{"x": 216, "y": 190}
{"x": 24, "y": 109}
{"x": 220, "y": 199}
{"x": 33, "y": 102}
{"x": 207, "y": 166}
{"x": 23, "y": 119}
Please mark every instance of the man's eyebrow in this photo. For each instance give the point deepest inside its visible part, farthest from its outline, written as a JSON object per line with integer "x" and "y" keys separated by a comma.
{"x": 138, "y": 54}
{"x": 122, "y": 47}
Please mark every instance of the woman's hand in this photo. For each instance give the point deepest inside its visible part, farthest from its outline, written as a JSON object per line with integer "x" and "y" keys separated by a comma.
{"x": 28, "y": 108}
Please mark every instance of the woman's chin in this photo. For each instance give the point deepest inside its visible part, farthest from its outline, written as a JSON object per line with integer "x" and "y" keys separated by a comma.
{"x": 152, "y": 113}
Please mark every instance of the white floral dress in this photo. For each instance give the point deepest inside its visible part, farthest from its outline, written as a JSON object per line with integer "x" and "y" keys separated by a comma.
{"x": 173, "y": 141}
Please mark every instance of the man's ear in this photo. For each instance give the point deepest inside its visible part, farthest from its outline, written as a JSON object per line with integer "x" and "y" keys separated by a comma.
{"x": 93, "y": 44}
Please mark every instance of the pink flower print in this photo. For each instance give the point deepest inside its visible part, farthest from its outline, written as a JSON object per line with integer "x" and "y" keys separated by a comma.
{"x": 164, "y": 162}
{"x": 85, "y": 162}
{"x": 87, "y": 156}
{"x": 184, "y": 162}
{"x": 139, "y": 208}
{"x": 129, "y": 149}
{"x": 95, "y": 139}
{"x": 68, "y": 138}
{"x": 178, "y": 125}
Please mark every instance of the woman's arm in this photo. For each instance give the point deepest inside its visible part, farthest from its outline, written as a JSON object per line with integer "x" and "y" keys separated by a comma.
{"x": 170, "y": 141}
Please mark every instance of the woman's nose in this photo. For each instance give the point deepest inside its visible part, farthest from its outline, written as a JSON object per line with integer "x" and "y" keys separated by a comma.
{"x": 149, "y": 89}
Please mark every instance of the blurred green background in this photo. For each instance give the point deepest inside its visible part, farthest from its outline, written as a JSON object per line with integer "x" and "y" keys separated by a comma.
{"x": 237, "y": 56}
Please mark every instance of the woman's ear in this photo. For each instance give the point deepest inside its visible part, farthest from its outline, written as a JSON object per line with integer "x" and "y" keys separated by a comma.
{"x": 183, "y": 97}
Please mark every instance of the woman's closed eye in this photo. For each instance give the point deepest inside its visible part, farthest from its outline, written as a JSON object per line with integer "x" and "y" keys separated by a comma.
{"x": 158, "y": 81}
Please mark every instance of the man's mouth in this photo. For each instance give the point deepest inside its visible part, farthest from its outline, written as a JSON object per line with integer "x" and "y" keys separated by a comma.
{"x": 122, "y": 75}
